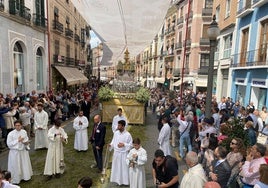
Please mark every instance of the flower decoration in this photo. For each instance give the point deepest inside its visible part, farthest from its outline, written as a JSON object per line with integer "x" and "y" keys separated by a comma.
{"x": 105, "y": 93}
{"x": 142, "y": 95}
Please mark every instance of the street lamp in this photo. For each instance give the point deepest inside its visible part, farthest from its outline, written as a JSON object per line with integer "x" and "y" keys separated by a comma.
{"x": 213, "y": 32}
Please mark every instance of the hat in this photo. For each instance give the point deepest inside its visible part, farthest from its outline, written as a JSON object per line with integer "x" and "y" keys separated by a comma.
{"x": 209, "y": 121}
{"x": 22, "y": 109}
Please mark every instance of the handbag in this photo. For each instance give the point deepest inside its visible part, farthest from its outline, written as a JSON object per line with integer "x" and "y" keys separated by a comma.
{"x": 262, "y": 138}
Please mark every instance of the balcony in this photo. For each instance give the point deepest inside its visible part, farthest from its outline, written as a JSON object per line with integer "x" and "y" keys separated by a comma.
{"x": 39, "y": 20}
{"x": 188, "y": 43}
{"x": 250, "y": 58}
{"x": 76, "y": 38}
{"x": 203, "y": 70}
{"x": 243, "y": 8}
{"x": 83, "y": 44}
{"x": 178, "y": 46}
{"x": 180, "y": 20}
{"x": 207, "y": 12}
{"x": 204, "y": 42}
{"x": 170, "y": 30}
{"x": 69, "y": 33}
{"x": 258, "y": 3}
{"x": 21, "y": 10}
{"x": 190, "y": 16}
{"x": 69, "y": 61}
{"x": 57, "y": 26}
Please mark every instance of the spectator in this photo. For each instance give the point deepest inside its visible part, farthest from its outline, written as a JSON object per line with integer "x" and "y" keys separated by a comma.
{"x": 195, "y": 177}
{"x": 85, "y": 106}
{"x": 221, "y": 170}
{"x": 250, "y": 169}
{"x": 165, "y": 170}
{"x": 85, "y": 182}
{"x": 263, "y": 181}
{"x": 212, "y": 184}
{"x": 250, "y": 133}
{"x": 136, "y": 159}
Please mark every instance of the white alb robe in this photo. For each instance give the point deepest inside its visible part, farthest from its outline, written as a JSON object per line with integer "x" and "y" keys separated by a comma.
{"x": 119, "y": 173}
{"x": 55, "y": 151}
{"x": 81, "y": 135}
{"x": 115, "y": 122}
{"x": 19, "y": 163}
{"x": 137, "y": 173}
{"x": 7, "y": 184}
{"x": 40, "y": 121}
{"x": 163, "y": 139}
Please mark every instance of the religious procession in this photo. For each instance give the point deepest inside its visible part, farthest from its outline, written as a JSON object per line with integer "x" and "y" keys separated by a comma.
{"x": 138, "y": 94}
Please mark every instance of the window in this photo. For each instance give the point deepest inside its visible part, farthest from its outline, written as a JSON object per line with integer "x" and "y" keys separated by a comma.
{"x": 181, "y": 12}
{"x": 244, "y": 47}
{"x": 227, "y": 45}
{"x": 204, "y": 60}
{"x": 263, "y": 41}
{"x": 39, "y": 70}
{"x": 67, "y": 22}
{"x": 56, "y": 14}
{"x": 57, "y": 47}
{"x": 68, "y": 50}
{"x": 205, "y": 31}
{"x": 180, "y": 36}
{"x": 217, "y": 13}
{"x": 228, "y": 6}
{"x": 18, "y": 68}
{"x": 209, "y": 4}
{"x": 216, "y": 57}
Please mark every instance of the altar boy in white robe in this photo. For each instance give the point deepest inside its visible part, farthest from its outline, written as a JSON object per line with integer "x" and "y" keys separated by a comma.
{"x": 163, "y": 138}
{"x": 121, "y": 143}
{"x": 40, "y": 126}
{"x": 19, "y": 163}
{"x": 136, "y": 159}
{"x": 55, "y": 158}
{"x": 81, "y": 136}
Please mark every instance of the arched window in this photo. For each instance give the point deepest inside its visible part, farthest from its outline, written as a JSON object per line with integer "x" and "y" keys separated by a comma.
{"x": 18, "y": 73}
{"x": 39, "y": 70}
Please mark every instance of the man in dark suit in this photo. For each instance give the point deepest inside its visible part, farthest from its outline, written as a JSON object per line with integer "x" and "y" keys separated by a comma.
{"x": 85, "y": 107}
{"x": 98, "y": 140}
{"x": 221, "y": 169}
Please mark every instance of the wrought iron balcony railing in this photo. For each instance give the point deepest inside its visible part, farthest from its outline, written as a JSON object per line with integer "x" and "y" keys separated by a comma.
{"x": 69, "y": 33}
{"x": 39, "y": 20}
{"x": 57, "y": 26}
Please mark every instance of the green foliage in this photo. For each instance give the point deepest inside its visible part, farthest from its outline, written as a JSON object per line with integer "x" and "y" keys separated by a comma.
{"x": 236, "y": 130}
{"x": 105, "y": 94}
{"x": 142, "y": 95}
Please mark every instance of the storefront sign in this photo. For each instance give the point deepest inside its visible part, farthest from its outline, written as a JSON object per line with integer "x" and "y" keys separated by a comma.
{"x": 240, "y": 81}
{"x": 259, "y": 83}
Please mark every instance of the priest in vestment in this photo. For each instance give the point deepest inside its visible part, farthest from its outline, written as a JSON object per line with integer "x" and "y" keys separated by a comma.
{"x": 19, "y": 163}
{"x": 55, "y": 158}
{"x": 163, "y": 137}
{"x": 40, "y": 126}
{"x": 81, "y": 136}
{"x": 136, "y": 159}
{"x": 121, "y": 144}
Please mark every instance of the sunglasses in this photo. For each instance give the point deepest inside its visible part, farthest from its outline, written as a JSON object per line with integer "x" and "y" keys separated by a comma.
{"x": 233, "y": 143}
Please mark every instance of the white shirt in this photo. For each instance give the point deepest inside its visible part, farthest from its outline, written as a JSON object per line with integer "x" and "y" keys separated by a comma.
{"x": 115, "y": 122}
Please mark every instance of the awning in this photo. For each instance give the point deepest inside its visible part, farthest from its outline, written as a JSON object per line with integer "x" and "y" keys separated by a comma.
{"x": 201, "y": 82}
{"x": 72, "y": 75}
{"x": 160, "y": 80}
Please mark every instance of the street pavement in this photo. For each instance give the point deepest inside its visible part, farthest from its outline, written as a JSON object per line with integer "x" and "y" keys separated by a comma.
{"x": 150, "y": 145}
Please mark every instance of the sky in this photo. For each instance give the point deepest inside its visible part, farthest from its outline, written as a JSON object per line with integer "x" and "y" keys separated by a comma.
{"x": 94, "y": 39}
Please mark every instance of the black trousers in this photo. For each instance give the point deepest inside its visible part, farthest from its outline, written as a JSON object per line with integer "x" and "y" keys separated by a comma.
{"x": 98, "y": 155}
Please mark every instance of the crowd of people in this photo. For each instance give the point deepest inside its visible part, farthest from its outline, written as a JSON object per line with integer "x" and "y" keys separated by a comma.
{"x": 222, "y": 148}
{"x": 213, "y": 155}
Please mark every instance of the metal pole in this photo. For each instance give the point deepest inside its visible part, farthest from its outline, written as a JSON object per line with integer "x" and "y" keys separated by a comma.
{"x": 184, "y": 52}
{"x": 210, "y": 78}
